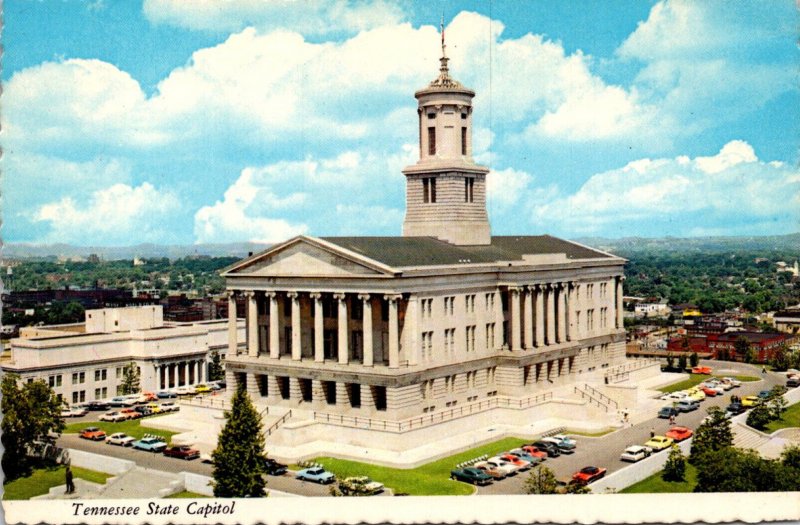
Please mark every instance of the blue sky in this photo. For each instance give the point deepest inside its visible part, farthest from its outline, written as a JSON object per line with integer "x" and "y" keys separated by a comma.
{"x": 173, "y": 121}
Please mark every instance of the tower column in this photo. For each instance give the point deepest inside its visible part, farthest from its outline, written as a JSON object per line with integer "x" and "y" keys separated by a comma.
{"x": 515, "y": 318}
{"x": 551, "y": 314}
{"x": 571, "y": 311}
{"x": 252, "y": 323}
{"x": 274, "y": 326}
{"x": 296, "y": 349}
{"x": 562, "y": 312}
{"x": 539, "y": 300}
{"x": 499, "y": 319}
{"x": 319, "y": 349}
{"x": 394, "y": 342}
{"x": 344, "y": 348}
{"x": 366, "y": 329}
{"x": 233, "y": 339}
{"x": 528, "y": 318}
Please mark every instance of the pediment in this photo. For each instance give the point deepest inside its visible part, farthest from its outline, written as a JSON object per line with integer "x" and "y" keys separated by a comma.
{"x": 302, "y": 257}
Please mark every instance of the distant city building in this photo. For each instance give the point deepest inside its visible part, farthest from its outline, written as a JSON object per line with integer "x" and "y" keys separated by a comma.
{"x": 723, "y": 345}
{"x": 787, "y": 321}
{"x": 84, "y": 361}
{"x": 652, "y": 308}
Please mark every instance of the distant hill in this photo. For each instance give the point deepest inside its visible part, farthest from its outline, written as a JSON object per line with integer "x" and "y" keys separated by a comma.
{"x": 789, "y": 242}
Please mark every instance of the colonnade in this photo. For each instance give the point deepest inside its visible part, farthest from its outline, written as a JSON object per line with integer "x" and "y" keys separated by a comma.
{"x": 181, "y": 373}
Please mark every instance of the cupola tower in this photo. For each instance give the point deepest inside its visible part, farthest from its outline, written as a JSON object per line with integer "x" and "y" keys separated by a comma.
{"x": 445, "y": 189}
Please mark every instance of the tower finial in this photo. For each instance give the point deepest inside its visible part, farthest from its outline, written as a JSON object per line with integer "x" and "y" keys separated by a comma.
{"x": 441, "y": 26}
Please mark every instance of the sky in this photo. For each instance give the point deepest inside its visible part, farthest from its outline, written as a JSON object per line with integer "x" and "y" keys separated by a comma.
{"x": 180, "y": 122}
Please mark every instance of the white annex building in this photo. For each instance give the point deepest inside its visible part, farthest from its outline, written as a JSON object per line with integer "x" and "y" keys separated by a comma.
{"x": 84, "y": 361}
{"x": 365, "y": 340}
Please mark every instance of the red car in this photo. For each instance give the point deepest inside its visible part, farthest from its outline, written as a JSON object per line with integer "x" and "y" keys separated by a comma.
{"x": 521, "y": 464}
{"x": 130, "y": 413}
{"x": 535, "y": 452}
{"x": 702, "y": 370}
{"x": 150, "y": 396}
{"x": 588, "y": 474}
{"x": 93, "y": 433}
{"x": 710, "y": 392}
{"x": 182, "y": 452}
{"x": 679, "y": 433}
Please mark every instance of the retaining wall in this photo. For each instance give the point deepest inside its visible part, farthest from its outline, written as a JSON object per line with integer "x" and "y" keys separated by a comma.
{"x": 637, "y": 471}
{"x": 109, "y": 465}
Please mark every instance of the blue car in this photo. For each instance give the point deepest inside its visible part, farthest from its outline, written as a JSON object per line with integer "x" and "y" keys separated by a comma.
{"x": 317, "y": 475}
{"x": 150, "y": 444}
{"x": 166, "y": 394}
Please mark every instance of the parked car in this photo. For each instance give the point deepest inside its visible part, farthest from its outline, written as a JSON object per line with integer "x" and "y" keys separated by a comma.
{"x": 169, "y": 406}
{"x": 78, "y": 411}
{"x": 471, "y": 475}
{"x": 678, "y": 434}
{"x": 97, "y": 405}
{"x": 114, "y": 417}
{"x": 635, "y": 453}
{"x": 202, "y": 389}
{"x": 546, "y": 446}
{"x": 750, "y": 401}
{"x": 131, "y": 413}
{"x": 695, "y": 394}
{"x": 687, "y": 406}
{"x": 150, "y": 396}
{"x": 659, "y": 443}
{"x": 150, "y": 444}
{"x": 588, "y": 474}
{"x": 535, "y": 452}
{"x": 516, "y": 461}
{"x": 735, "y": 409}
{"x": 214, "y": 387}
{"x": 793, "y": 382}
{"x": 182, "y": 452}
{"x": 206, "y": 458}
{"x": 143, "y": 410}
{"x": 274, "y": 468}
{"x": 524, "y": 456}
{"x": 503, "y": 466}
{"x": 667, "y": 412}
{"x": 121, "y": 439}
{"x": 765, "y": 395}
{"x": 66, "y": 412}
{"x": 317, "y": 475}
{"x": 121, "y": 401}
{"x": 564, "y": 444}
{"x": 495, "y": 472}
{"x": 155, "y": 408}
{"x": 732, "y": 381}
{"x": 702, "y": 370}
{"x": 710, "y": 392}
{"x": 93, "y": 433}
{"x": 360, "y": 486}
{"x": 675, "y": 396}
{"x": 166, "y": 394}
{"x": 185, "y": 391}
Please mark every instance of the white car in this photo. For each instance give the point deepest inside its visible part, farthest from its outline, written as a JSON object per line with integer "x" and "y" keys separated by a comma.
{"x": 675, "y": 396}
{"x": 635, "y": 453}
{"x": 716, "y": 387}
{"x": 121, "y": 439}
{"x": 114, "y": 417}
{"x": 503, "y": 466}
{"x": 169, "y": 406}
{"x": 185, "y": 391}
{"x": 206, "y": 458}
{"x": 733, "y": 382}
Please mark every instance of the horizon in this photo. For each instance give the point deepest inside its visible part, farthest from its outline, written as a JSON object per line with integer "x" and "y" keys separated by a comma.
{"x": 156, "y": 122}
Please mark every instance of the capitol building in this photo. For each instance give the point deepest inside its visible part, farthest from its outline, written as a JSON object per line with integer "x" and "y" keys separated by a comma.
{"x": 365, "y": 340}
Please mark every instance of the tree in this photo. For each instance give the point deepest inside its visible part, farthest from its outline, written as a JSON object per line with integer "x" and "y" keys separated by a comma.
{"x": 130, "y": 379}
{"x": 30, "y": 414}
{"x": 780, "y": 359}
{"x": 735, "y": 470}
{"x": 541, "y": 480}
{"x": 239, "y": 457}
{"x": 675, "y": 467}
{"x": 741, "y": 346}
{"x": 712, "y": 435}
{"x": 790, "y": 457}
{"x": 777, "y": 404}
{"x": 215, "y": 371}
{"x": 694, "y": 359}
{"x": 759, "y": 417}
{"x": 682, "y": 362}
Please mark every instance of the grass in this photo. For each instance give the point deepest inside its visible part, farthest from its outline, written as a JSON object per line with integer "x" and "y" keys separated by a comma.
{"x": 696, "y": 379}
{"x": 589, "y": 434}
{"x": 188, "y": 494}
{"x": 43, "y": 479}
{"x": 132, "y": 427}
{"x": 791, "y": 418}
{"x": 431, "y": 479}
{"x": 654, "y": 483}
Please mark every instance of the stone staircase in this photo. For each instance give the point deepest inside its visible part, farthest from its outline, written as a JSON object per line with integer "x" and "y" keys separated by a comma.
{"x": 746, "y": 437}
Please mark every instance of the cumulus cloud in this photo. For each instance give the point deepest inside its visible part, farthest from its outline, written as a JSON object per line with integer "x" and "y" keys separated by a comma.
{"x": 118, "y": 214}
{"x": 732, "y": 191}
{"x": 320, "y": 17}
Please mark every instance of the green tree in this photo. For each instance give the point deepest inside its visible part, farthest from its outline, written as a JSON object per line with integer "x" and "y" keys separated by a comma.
{"x": 741, "y": 346}
{"x": 712, "y": 435}
{"x": 734, "y": 470}
{"x": 541, "y": 480}
{"x": 130, "y": 379}
{"x": 776, "y": 404}
{"x": 682, "y": 362}
{"x": 675, "y": 467}
{"x": 790, "y": 457}
{"x": 759, "y": 417}
{"x": 239, "y": 457}
{"x": 694, "y": 359}
{"x": 215, "y": 371}
{"x": 780, "y": 359}
{"x": 30, "y": 414}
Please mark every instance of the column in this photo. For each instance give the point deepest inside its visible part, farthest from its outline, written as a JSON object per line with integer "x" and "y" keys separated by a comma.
{"x": 252, "y": 324}
{"x": 619, "y": 303}
{"x": 499, "y": 318}
{"x": 317, "y": 392}
{"x": 344, "y": 347}
{"x": 411, "y": 329}
{"x": 571, "y": 312}
{"x": 252, "y": 386}
{"x": 273, "y": 390}
{"x": 295, "y": 393}
{"x": 295, "y": 344}
{"x": 394, "y": 342}
{"x": 274, "y": 326}
{"x": 515, "y": 318}
{"x": 341, "y": 394}
{"x": 551, "y": 314}
{"x": 366, "y": 328}
{"x": 230, "y": 381}
{"x": 202, "y": 370}
{"x": 319, "y": 341}
{"x": 562, "y": 312}
{"x": 175, "y": 374}
{"x": 233, "y": 337}
{"x": 539, "y": 300}
{"x": 528, "y": 322}
{"x": 367, "y": 399}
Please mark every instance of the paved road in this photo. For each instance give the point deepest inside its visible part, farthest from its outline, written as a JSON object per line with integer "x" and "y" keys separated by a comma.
{"x": 602, "y": 451}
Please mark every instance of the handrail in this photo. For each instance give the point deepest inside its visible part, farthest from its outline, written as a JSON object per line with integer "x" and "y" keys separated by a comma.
{"x": 278, "y": 423}
{"x": 601, "y": 395}
{"x": 591, "y": 398}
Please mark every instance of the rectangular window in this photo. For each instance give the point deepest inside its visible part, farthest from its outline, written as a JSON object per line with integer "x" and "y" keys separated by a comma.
{"x": 470, "y": 303}
{"x": 448, "y": 305}
{"x": 119, "y": 372}
{"x": 100, "y": 374}
{"x": 470, "y": 338}
{"x": 469, "y": 185}
{"x": 489, "y": 336}
{"x": 590, "y": 319}
{"x": 428, "y": 190}
{"x": 54, "y": 381}
{"x": 78, "y": 378}
{"x": 463, "y": 140}
{"x": 449, "y": 340}
{"x": 427, "y": 308}
{"x": 489, "y": 302}
{"x": 431, "y": 141}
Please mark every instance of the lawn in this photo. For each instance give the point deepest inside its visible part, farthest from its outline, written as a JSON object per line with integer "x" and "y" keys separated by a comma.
{"x": 431, "y": 479}
{"x": 590, "y": 434}
{"x": 43, "y": 479}
{"x": 791, "y": 418}
{"x": 132, "y": 427}
{"x": 654, "y": 484}
{"x": 186, "y": 494}
{"x": 696, "y": 379}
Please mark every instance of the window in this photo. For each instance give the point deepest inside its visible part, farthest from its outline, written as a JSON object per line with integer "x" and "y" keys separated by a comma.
{"x": 357, "y": 310}
{"x": 429, "y": 189}
{"x": 431, "y": 141}
{"x": 489, "y": 302}
{"x": 578, "y": 318}
{"x": 470, "y": 339}
{"x": 603, "y": 290}
{"x": 427, "y": 308}
{"x": 78, "y": 378}
{"x": 589, "y": 291}
{"x": 470, "y": 303}
{"x": 603, "y": 316}
{"x": 590, "y": 319}
{"x": 448, "y": 305}
{"x": 449, "y": 340}
{"x": 431, "y": 116}
{"x": 464, "y": 141}
{"x": 54, "y": 381}
{"x": 101, "y": 393}
{"x": 469, "y": 185}
{"x": 79, "y": 397}
{"x": 490, "y": 375}
{"x": 100, "y": 374}
{"x": 119, "y": 372}
{"x": 489, "y": 336}
{"x": 427, "y": 345}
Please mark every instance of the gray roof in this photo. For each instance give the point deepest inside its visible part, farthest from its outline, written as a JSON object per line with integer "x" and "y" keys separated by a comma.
{"x": 430, "y": 251}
